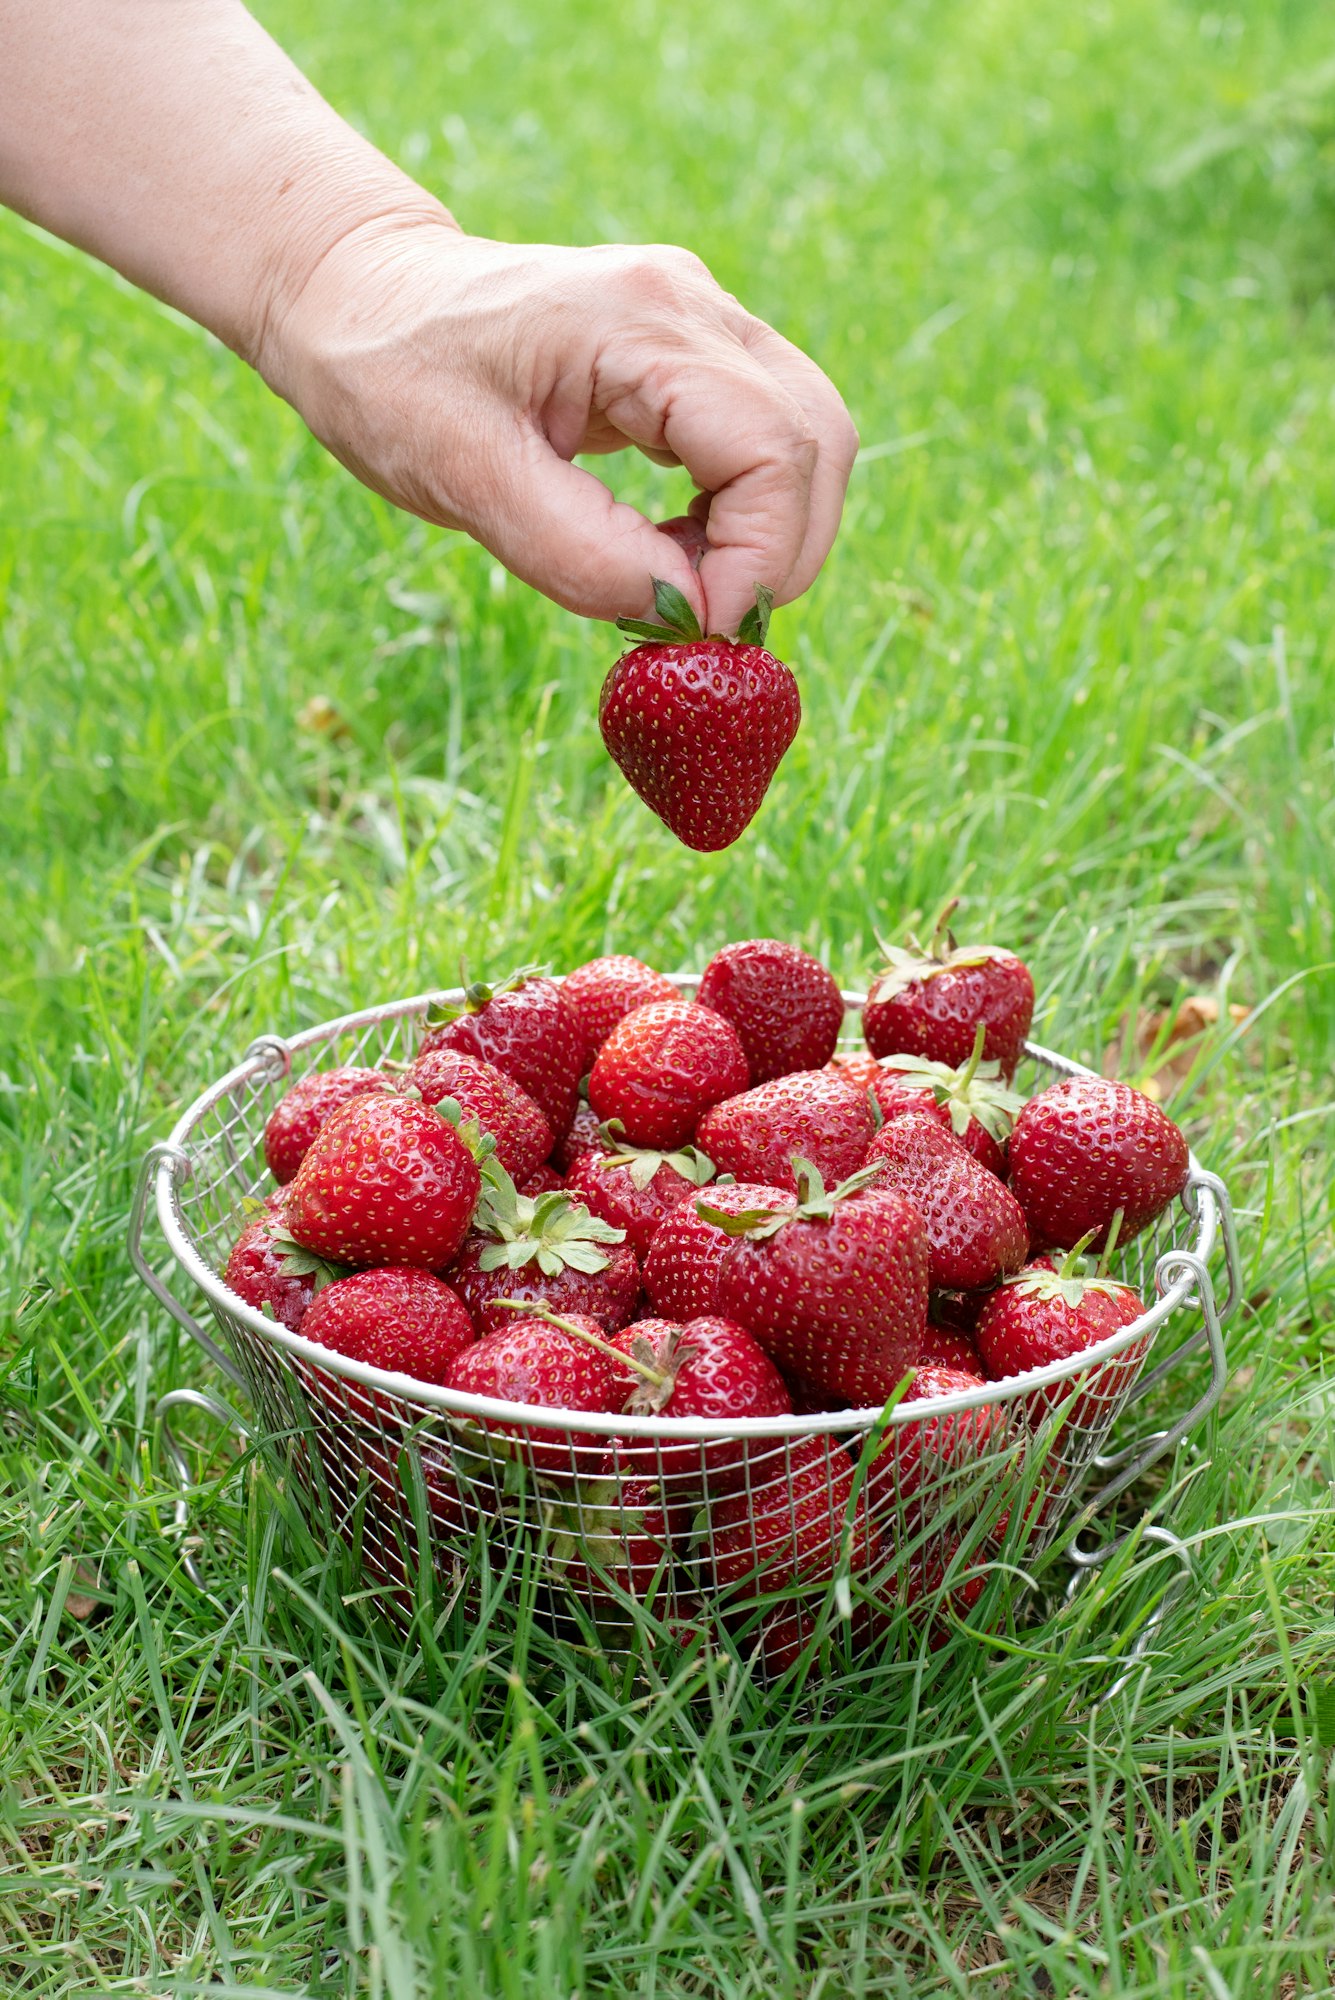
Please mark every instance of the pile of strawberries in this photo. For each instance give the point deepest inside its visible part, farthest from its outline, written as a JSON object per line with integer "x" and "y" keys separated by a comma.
{"x": 595, "y": 1195}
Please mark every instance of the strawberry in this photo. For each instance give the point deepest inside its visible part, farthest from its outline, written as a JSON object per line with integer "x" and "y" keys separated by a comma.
{"x": 681, "y": 1271}
{"x": 374, "y": 1511}
{"x": 261, "y": 1270}
{"x": 786, "y": 1008}
{"x": 398, "y": 1318}
{"x": 586, "y": 1135}
{"x": 793, "y": 1530}
{"x": 625, "y": 1536}
{"x": 546, "y": 1249}
{"x": 917, "y": 1463}
{"x": 301, "y": 1111}
{"x": 1048, "y": 1312}
{"x": 662, "y": 1066}
{"x": 633, "y": 1187}
{"x": 525, "y": 1027}
{"x": 856, "y": 1067}
{"x": 833, "y": 1286}
{"x": 946, "y": 1344}
{"x": 707, "y": 1368}
{"x": 812, "y": 1114}
{"x": 543, "y": 1180}
{"x": 604, "y": 990}
{"x": 1085, "y": 1149}
{"x": 930, "y": 1002}
{"x": 699, "y": 726}
{"x": 550, "y": 1365}
{"x": 975, "y": 1226}
{"x": 492, "y": 1099}
{"x": 387, "y": 1180}
{"x": 973, "y": 1102}
{"x": 918, "y": 1584}
{"x": 781, "y": 1638}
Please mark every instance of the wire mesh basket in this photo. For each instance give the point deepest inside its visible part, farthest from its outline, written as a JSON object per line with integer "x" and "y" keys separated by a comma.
{"x": 903, "y": 1509}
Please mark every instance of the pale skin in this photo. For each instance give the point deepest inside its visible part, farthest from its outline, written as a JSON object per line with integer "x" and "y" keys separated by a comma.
{"x": 456, "y": 376}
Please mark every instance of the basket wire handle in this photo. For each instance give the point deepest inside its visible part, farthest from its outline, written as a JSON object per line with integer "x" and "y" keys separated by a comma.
{"x": 178, "y": 1159}
{"x": 213, "y": 1406}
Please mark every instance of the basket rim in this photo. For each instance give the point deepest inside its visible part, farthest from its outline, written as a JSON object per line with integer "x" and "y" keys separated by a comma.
{"x": 1174, "y": 1292}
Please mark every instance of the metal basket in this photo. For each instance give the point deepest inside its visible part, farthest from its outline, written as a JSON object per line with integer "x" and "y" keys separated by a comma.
{"x": 903, "y": 1508}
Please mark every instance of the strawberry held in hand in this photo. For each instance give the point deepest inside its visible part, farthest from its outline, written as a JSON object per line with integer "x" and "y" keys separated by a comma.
{"x": 387, "y": 1180}
{"x": 833, "y": 1286}
{"x": 699, "y": 725}
{"x": 1085, "y": 1151}
{"x": 930, "y": 1002}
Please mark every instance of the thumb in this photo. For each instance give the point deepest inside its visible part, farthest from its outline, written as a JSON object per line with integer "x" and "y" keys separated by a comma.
{"x": 555, "y": 526}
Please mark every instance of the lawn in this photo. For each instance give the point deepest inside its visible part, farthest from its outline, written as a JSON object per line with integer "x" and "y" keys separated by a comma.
{"x": 271, "y": 750}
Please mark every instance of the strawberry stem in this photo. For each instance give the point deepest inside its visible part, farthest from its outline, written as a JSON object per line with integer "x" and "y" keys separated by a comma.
{"x": 535, "y": 1309}
{"x": 970, "y": 1069}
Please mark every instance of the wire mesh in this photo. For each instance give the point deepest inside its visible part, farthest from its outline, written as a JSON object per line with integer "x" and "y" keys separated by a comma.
{"x": 905, "y": 1506}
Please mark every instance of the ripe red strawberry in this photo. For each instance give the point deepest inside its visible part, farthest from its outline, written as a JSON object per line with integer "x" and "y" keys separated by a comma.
{"x": 543, "y": 1180}
{"x": 662, "y": 1067}
{"x": 707, "y": 1368}
{"x": 552, "y": 1366}
{"x": 260, "y": 1268}
{"x": 397, "y": 1318}
{"x": 917, "y": 1583}
{"x": 545, "y": 1249}
{"x": 586, "y": 1135}
{"x": 633, "y": 1187}
{"x": 604, "y": 990}
{"x": 699, "y": 726}
{"x": 525, "y": 1027}
{"x": 386, "y": 1181}
{"x": 1085, "y": 1149}
{"x": 781, "y": 1638}
{"x": 834, "y": 1287}
{"x": 975, "y": 1226}
{"x": 301, "y": 1111}
{"x": 785, "y": 1006}
{"x": 856, "y": 1067}
{"x": 946, "y": 1345}
{"x": 973, "y": 1102}
{"x": 492, "y": 1099}
{"x": 373, "y": 1510}
{"x": 1048, "y": 1313}
{"x": 919, "y": 1463}
{"x": 681, "y": 1272}
{"x": 811, "y": 1114}
{"x": 796, "y": 1528}
{"x": 929, "y": 1002}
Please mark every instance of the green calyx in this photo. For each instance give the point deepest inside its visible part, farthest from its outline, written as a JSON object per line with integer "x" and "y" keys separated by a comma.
{"x": 477, "y": 995}
{"x": 1076, "y": 1275}
{"x": 549, "y": 1230}
{"x": 678, "y": 625}
{"x": 642, "y": 1162}
{"x": 977, "y": 1090}
{"x": 296, "y": 1261}
{"x": 814, "y": 1202}
{"x": 908, "y": 965}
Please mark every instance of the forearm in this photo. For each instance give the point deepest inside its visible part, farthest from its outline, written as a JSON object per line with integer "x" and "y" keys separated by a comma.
{"x": 175, "y": 140}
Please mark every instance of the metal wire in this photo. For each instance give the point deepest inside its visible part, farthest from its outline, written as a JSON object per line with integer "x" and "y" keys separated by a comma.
{"x": 907, "y": 1502}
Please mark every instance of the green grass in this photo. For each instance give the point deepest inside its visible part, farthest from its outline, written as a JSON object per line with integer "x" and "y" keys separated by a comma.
{"x": 1072, "y": 658}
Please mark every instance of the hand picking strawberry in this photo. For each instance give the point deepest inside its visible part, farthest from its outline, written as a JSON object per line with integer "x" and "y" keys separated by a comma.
{"x": 699, "y": 725}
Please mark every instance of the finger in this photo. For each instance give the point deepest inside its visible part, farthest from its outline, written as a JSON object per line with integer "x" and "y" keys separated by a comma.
{"x": 837, "y": 448}
{"x": 742, "y": 437}
{"x": 555, "y": 526}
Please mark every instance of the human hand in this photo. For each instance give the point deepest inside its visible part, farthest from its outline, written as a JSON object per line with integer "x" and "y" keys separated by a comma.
{"x": 459, "y": 377}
